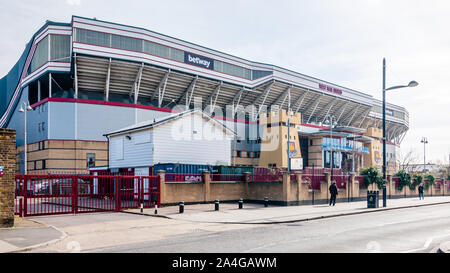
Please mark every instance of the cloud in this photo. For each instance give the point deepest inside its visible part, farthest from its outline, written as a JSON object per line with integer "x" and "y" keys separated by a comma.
{"x": 73, "y": 2}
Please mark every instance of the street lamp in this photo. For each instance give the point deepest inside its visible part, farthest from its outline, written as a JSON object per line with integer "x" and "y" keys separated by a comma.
{"x": 21, "y": 110}
{"x": 411, "y": 84}
{"x": 331, "y": 120}
{"x": 289, "y": 132}
{"x": 424, "y": 141}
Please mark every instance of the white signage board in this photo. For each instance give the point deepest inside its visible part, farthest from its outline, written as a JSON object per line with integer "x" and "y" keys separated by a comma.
{"x": 297, "y": 163}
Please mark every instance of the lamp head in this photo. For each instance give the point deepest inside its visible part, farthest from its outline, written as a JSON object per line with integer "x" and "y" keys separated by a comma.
{"x": 413, "y": 84}
{"x": 29, "y": 108}
{"x": 21, "y": 109}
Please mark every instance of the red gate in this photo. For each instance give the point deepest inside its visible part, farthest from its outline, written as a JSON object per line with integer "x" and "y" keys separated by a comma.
{"x": 63, "y": 194}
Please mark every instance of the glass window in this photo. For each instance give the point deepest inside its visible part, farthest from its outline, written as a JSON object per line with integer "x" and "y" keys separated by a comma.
{"x": 93, "y": 37}
{"x": 90, "y": 160}
{"x": 59, "y": 48}
{"x": 126, "y": 43}
{"x": 40, "y": 55}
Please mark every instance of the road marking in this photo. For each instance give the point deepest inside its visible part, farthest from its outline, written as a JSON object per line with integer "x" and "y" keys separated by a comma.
{"x": 427, "y": 243}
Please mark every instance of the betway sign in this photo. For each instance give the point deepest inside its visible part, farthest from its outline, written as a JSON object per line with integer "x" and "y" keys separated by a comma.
{"x": 198, "y": 60}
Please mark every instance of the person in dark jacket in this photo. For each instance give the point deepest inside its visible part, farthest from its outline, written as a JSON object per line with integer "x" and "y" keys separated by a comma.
{"x": 420, "y": 191}
{"x": 333, "y": 193}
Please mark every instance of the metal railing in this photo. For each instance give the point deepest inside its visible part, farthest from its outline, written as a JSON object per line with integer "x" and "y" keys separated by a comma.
{"x": 63, "y": 194}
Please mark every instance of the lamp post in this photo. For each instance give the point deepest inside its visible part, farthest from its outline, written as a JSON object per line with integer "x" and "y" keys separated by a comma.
{"x": 332, "y": 121}
{"x": 289, "y": 132}
{"x": 411, "y": 84}
{"x": 424, "y": 141}
{"x": 22, "y": 110}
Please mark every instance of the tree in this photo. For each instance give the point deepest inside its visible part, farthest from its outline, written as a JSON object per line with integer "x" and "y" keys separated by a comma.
{"x": 417, "y": 179}
{"x": 371, "y": 176}
{"x": 404, "y": 179}
{"x": 430, "y": 180}
{"x": 408, "y": 161}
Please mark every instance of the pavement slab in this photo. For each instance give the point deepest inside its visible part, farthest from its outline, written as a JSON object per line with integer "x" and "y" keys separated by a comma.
{"x": 27, "y": 234}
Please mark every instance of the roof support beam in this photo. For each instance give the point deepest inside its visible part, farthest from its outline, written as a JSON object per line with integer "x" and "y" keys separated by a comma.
{"x": 329, "y": 106}
{"x": 76, "y": 75}
{"x": 265, "y": 94}
{"x": 300, "y": 101}
{"x": 316, "y": 102}
{"x": 161, "y": 88}
{"x": 353, "y": 116}
{"x": 136, "y": 85}
{"x": 283, "y": 95}
{"x": 214, "y": 95}
{"x": 342, "y": 112}
{"x": 237, "y": 96}
{"x": 364, "y": 119}
{"x": 108, "y": 78}
{"x": 190, "y": 90}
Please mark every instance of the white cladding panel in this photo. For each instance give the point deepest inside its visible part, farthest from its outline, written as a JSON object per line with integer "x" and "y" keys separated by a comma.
{"x": 192, "y": 140}
{"x": 137, "y": 151}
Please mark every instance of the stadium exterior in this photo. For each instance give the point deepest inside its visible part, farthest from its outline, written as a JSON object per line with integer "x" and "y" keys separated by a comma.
{"x": 86, "y": 78}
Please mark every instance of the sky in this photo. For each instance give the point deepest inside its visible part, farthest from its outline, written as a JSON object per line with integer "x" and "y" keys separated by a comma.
{"x": 343, "y": 42}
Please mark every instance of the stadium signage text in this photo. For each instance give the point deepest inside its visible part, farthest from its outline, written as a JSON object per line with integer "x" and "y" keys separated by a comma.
{"x": 198, "y": 60}
{"x": 330, "y": 89}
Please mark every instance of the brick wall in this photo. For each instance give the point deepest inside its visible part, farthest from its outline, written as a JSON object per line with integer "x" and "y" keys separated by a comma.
{"x": 8, "y": 161}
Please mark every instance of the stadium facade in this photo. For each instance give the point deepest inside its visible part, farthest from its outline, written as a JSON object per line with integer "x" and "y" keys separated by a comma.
{"x": 89, "y": 77}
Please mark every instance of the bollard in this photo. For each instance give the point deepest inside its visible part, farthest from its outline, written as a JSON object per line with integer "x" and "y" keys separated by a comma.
{"x": 181, "y": 207}
{"x": 156, "y": 207}
{"x": 384, "y": 196}
{"x": 216, "y": 205}
{"x": 241, "y": 203}
{"x": 142, "y": 208}
{"x": 266, "y": 202}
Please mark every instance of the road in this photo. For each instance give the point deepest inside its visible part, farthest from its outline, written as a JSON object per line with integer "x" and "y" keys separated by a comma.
{"x": 405, "y": 230}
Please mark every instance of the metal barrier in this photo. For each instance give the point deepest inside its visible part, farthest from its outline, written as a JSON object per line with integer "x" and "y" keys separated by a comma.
{"x": 63, "y": 194}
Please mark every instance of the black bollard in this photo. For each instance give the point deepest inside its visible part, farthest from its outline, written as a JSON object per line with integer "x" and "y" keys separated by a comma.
{"x": 241, "y": 203}
{"x": 266, "y": 202}
{"x": 142, "y": 208}
{"x": 181, "y": 207}
{"x": 156, "y": 207}
{"x": 216, "y": 205}
{"x": 384, "y": 196}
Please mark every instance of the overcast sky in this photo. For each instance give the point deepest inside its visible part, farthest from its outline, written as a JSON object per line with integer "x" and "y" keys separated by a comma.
{"x": 342, "y": 42}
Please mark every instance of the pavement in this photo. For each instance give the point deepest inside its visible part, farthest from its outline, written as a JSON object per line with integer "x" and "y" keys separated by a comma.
{"x": 28, "y": 234}
{"x": 81, "y": 232}
{"x": 258, "y": 214}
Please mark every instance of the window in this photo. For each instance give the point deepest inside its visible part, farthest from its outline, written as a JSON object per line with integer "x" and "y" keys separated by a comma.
{"x": 249, "y": 154}
{"x": 90, "y": 160}
{"x": 59, "y": 48}
{"x": 239, "y": 154}
{"x": 126, "y": 43}
{"x": 116, "y": 148}
{"x": 40, "y": 55}
{"x": 43, "y": 164}
{"x": 93, "y": 37}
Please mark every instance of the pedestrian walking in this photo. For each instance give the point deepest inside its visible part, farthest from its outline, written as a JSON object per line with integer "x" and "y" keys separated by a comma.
{"x": 333, "y": 193}
{"x": 420, "y": 191}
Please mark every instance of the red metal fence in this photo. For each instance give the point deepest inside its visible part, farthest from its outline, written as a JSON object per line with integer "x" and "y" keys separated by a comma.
{"x": 62, "y": 194}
